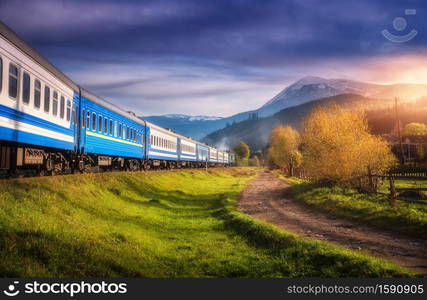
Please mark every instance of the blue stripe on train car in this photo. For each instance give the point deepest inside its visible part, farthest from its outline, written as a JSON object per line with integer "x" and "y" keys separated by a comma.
{"x": 162, "y": 154}
{"x": 187, "y": 157}
{"x": 20, "y": 127}
{"x": 104, "y": 143}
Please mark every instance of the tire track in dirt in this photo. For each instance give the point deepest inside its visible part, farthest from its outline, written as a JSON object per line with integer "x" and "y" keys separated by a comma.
{"x": 264, "y": 198}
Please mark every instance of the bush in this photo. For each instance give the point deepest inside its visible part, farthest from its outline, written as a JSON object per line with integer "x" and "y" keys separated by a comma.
{"x": 254, "y": 162}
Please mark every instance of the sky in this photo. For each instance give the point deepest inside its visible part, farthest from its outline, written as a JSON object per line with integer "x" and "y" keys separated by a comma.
{"x": 219, "y": 57}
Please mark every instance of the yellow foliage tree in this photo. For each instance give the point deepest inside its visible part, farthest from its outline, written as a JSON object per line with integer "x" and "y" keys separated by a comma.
{"x": 283, "y": 149}
{"x": 415, "y": 129}
{"x": 337, "y": 146}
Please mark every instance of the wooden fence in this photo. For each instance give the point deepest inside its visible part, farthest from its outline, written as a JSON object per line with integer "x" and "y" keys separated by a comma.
{"x": 409, "y": 174}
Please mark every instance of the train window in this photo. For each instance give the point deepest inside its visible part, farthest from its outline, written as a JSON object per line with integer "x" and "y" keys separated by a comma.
{"x": 46, "y": 98}
{"x": 75, "y": 109}
{"x": 83, "y": 118}
{"x": 25, "y": 88}
{"x": 100, "y": 123}
{"x": 111, "y": 127}
{"x": 55, "y": 103}
{"x": 105, "y": 125}
{"x": 94, "y": 121}
{"x": 13, "y": 81}
{"x": 62, "y": 107}
{"x": 37, "y": 91}
{"x": 68, "y": 110}
{"x": 120, "y": 130}
{"x": 1, "y": 73}
{"x": 88, "y": 120}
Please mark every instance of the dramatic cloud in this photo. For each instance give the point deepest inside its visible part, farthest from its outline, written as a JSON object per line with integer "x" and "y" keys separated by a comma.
{"x": 216, "y": 57}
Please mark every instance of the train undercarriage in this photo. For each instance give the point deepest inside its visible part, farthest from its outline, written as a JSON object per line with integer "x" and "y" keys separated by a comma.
{"x": 18, "y": 160}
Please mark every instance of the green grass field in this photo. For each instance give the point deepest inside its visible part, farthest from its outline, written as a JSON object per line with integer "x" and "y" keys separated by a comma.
{"x": 375, "y": 209}
{"x": 156, "y": 224}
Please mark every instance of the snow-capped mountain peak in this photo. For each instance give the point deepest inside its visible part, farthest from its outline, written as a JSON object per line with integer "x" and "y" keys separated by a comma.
{"x": 191, "y": 118}
{"x": 312, "y": 87}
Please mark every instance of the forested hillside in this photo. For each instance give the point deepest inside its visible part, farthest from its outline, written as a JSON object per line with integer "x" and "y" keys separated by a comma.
{"x": 255, "y": 131}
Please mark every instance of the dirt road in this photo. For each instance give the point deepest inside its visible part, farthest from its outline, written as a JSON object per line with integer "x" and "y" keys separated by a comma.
{"x": 264, "y": 199}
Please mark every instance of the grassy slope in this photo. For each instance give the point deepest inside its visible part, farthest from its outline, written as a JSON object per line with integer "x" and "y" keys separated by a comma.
{"x": 407, "y": 218}
{"x": 156, "y": 224}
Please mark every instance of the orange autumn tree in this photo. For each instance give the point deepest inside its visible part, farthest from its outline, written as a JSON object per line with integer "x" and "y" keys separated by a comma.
{"x": 337, "y": 146}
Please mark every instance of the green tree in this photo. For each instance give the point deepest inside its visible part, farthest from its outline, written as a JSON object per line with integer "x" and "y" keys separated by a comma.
{"x": 415, "y": 129}
{"x": 283, "y": 149}
{"x": 242, "y": 152}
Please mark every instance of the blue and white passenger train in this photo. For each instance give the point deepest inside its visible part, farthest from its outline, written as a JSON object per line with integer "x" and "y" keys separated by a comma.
{"x": 49, "y": 124}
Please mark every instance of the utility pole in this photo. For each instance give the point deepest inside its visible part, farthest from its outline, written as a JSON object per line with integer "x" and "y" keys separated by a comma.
{"x": 399, "y": 131}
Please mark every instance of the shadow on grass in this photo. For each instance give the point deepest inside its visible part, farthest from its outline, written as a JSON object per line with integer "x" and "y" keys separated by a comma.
{"x": 25, "y": 253}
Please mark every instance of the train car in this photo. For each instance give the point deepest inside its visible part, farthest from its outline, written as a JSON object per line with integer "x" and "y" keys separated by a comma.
{"x": 187, "y": 151}
{"x": 37, "y": 105}
{"x": 202, "y": 154}
{"x": 231, "y": 158}
{"x": 111, "y": 136}
{"x": 220, "y": 157}
{"x": 226, "y": 158}
{"x": 213, "y": 155}
{"x": 163, "y": 147}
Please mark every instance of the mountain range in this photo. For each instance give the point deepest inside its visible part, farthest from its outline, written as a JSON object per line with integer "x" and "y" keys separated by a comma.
{"x": 305, "y": 90}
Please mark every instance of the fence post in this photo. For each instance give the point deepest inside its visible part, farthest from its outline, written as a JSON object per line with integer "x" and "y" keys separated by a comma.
{"x": 371, "y": 180}
{"x": 392, "y": 197}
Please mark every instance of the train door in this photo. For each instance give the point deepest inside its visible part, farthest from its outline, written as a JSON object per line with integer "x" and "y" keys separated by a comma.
{"x": 76, "y": 121}
{"x": 84, "y": 124}
{"x": 178, "y": 149}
